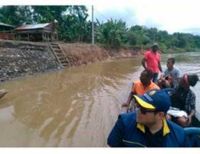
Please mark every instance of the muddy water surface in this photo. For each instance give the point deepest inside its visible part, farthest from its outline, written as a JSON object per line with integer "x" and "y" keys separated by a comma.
{"x": 74, "y": 107}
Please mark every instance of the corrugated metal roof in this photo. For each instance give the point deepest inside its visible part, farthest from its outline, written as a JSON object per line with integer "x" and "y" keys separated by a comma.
{"x": 2, "y": 24}
{"x": 34, "y": 26}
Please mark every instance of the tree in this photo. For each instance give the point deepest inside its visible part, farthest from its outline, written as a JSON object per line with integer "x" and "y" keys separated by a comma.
{"x": 75, "y": 27}
{"x": 112, "y": 33}
{"x": 42, "y": 14}
{"x": 138, "y": 33}
{"x": 16, "y": 15}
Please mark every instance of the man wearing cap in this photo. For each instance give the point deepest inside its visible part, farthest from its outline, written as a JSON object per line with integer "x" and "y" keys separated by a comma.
{"x": 151, "y": 61}
{"x": 147, "y": 127}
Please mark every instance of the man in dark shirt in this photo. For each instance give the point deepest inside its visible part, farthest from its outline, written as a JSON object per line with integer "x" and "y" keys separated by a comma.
{"x": 154, "y": 140}
{"x": 184, "y": 98}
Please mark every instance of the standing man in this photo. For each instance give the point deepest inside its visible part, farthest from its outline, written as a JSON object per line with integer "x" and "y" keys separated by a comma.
{"x": 151, "y": 61}
{"x": 147, "y": 127}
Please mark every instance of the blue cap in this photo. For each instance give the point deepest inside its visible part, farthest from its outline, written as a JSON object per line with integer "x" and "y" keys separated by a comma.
{"x": 158, "y": 100}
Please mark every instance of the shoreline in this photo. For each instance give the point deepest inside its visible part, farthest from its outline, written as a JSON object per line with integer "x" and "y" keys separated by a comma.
{"x": 19, "y": 59}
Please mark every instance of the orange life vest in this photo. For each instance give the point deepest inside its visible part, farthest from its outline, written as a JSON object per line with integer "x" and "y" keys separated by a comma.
{"x": 139, "y": 89}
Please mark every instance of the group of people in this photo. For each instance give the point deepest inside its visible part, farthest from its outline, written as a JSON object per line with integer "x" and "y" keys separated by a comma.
{"x": 158, "y": 108}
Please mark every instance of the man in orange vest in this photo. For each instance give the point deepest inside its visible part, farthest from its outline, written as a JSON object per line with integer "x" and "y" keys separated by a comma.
{"x": 141, "y": 86}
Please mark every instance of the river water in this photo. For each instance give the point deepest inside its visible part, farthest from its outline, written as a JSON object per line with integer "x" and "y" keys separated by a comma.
{"x": 74, "y": 107}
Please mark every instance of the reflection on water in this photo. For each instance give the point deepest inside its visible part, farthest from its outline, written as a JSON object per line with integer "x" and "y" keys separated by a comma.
{"x": 71, "y": 107}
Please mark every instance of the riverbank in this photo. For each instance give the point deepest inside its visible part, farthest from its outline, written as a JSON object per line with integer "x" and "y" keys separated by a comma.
{"x": 20, "y": 58}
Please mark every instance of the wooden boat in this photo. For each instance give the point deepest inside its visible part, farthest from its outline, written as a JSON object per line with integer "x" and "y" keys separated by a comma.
{"x": 3, "y": 92}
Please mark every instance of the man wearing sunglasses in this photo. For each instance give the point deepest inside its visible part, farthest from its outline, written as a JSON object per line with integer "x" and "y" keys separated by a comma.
{"x": 147, "y": 127}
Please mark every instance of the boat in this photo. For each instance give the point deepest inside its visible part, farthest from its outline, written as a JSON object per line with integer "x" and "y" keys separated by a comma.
{"x": 3, "y": 92}
{"x": 193, "y": 134}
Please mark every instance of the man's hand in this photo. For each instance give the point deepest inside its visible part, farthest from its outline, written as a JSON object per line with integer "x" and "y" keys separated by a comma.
{"x": 189, "y": 120}
{"x": 125, "y": 104}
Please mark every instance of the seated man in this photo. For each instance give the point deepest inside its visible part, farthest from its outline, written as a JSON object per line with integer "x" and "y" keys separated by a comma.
{"x": 165, "y": 82}
{"x": 184, "y": 99}
{"x": 171, "y": 76}
{"x": 141, "y": 86}
{"x": 147, "y": 127}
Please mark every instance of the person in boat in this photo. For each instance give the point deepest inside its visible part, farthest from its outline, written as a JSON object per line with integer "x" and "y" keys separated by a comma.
{"x": 171, "y": 76}
{"x": 151, "y": 61}
{"x": 141, "y": 86}
{"x": 184, "y": 100}
{"x": 147, "y": 126}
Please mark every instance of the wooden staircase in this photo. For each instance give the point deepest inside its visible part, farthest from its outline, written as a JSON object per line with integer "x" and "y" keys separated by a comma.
{"x": 59, "y": 54}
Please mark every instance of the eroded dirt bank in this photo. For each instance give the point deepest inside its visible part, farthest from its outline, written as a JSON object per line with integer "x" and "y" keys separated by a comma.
{"x": 19, "y": 58}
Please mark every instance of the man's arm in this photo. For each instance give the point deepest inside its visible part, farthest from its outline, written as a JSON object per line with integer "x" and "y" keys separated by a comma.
{"x": 178, "y": 73}
{"x": 192, "y": 101}
{"x": 130, "y": 97}
{"x": 159, "y": 66}
{"x": 116, "y": 135}
{"x": 144, "y": 63}
{"x": 190, "y": 116}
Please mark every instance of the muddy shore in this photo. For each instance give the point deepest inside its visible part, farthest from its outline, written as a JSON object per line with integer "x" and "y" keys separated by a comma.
{"x": 20, "y": 58}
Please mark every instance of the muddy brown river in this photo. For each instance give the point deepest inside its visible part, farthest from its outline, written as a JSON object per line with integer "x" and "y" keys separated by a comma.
{"x": 74, "y": 107}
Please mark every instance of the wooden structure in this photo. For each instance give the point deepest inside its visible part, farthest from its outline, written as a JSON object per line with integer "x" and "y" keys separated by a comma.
{"x": 59, "y": 54}
{"x": 37, "y": 32}
{"x": 6, "y": 31}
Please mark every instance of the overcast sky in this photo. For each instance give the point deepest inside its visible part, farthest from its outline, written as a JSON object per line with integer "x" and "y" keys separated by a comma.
{"x": 170, "y": 15}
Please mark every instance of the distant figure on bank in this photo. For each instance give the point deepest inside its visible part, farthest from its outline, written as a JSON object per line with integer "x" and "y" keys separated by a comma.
{"x": 141, "y": 86}
{"x": 184, "y": 99}
{"x": 151, "y": 61}
{"x": 171, "y": 76}
{"x": 147, "y": 127}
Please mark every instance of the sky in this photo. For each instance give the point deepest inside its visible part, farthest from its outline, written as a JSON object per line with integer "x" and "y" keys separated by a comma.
{"x": 170, "y": 15}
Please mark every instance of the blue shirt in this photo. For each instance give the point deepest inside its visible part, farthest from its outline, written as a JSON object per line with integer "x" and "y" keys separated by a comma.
{"x": 128, "y": 133}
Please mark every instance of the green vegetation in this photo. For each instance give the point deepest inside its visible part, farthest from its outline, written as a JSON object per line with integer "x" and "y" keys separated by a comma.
{"x": 74, "y": 26}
